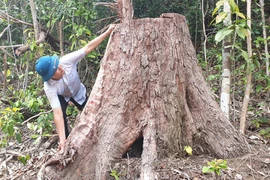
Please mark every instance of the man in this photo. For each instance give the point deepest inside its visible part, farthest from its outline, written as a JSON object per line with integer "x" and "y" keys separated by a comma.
{"x": 62, "y": 83}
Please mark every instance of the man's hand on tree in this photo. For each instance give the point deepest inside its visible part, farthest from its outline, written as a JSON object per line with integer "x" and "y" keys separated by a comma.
{"x": 61, "y": 147}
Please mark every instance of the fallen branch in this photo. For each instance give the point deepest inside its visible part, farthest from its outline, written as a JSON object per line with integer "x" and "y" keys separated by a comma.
{"x": 6, "y": 52}
{"x": 12, "y": 19}
{"x": 50, "y": 142}
{"x": 13, "y": 153}
{"x": 181, "y": 173}
{"x": 1, "y": 34}
{"x": 29, "y": 119}
{"x": 24, "y": 48}
{"x": 11, "y": 46}
{"x": 4, "y": 163}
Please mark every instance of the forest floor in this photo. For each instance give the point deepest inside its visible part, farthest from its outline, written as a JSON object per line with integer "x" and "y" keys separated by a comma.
{"x": 252, "y": 166}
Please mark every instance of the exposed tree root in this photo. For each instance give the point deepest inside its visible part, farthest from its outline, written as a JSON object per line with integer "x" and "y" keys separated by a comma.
{"x": 61, "y": 160}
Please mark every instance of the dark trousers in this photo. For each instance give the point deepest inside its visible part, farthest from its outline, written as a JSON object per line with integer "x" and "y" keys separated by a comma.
{"x": 64, "y": 105}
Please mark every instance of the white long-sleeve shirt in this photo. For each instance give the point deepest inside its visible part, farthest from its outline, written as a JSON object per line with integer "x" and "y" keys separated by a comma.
{"x": 69, "y": 85}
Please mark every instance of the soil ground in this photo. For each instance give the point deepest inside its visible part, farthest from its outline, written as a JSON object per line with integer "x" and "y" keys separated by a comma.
{"x": 253, "y": 166}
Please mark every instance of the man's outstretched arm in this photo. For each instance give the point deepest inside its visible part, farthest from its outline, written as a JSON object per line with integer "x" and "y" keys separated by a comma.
{"x": 98, "y": 40}
{"x": 59, "y": 123}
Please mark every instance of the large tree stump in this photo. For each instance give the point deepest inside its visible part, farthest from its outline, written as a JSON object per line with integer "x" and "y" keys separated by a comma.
{"x": 149, "y": 85}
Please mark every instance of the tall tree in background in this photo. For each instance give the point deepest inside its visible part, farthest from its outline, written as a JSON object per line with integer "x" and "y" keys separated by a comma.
{"x": 226, "y": 63}
{"x": 205, "y": 36}
{"x": 34, "y": 18}
{"x": 249, "y": 71}
{"x": 265, "y": 38}
{"x": 149, "y": 86}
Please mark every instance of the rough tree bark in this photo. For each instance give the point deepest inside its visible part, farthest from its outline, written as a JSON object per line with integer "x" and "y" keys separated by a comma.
{"x": 149, "y": 85}
{"x": 34, "y": 17}
{"x": 226, "y": 64}
{"x": 249, "y": 72}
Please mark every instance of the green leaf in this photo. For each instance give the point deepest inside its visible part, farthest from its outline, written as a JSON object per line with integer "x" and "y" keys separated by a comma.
{"x": 30, "y": 103}
{"x": 257, "y": 63}
{"x": 19, "y": 137}
{"x": 205, "y": 169}
{"x": 218, "y": 5}
{"x": 8, "y": 73}
{"x": 24, "y": 159}
{"x": 242, "y": 33}
{"x": 234, "y": 7}
{"x": 215, "y": 11}
{"x": 188, "y": 149}
{"x": 34, "y": 136}
{"x": 223, "y": 165}
{"x": 240, "y": 15}
{"x": 245, "y": 56}
{"x": 15, "y": 109}
{"x": 10, "y": 130}
{"x": 222, "y": 33}
{"x": 21, "y": 76}
{"x": 258, "y": 88}
{"x": 264, "y": 132}
{"x": 218, "y": 171}
{"x": 32, "y": 46}
{"x": 220, "y": 17}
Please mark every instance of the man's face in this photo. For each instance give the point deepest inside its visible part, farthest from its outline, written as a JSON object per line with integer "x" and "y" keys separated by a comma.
{"x": 58, "y": 73}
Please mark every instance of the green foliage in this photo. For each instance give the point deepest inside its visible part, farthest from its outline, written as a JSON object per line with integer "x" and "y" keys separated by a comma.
{"x": 222, "y": 15}
{"x": 24, "y": 158}
{"x": 79, "y": 37}
{"x": 72, "y": 111}
{"x": 25, "y": 103}
{"x": 215, "y": 166}
{"x": 263, "y": 82}
{"x": 42, "y": 127}
{"x": 258, "y": 122}
{"x": 265, "y": 132}
{"x": 238, "y": 26}
{"x": 9, "y": 121}
{"x": 262, "y": 123}
{"x": 115, "y": 174}
{"x": 24, "y": 92}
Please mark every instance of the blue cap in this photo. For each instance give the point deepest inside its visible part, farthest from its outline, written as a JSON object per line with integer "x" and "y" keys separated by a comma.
{"x": 46, "y": 66}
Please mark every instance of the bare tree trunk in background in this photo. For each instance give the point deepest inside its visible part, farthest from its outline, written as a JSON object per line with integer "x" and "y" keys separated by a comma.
{"x": 61, "y": 39}
{"x": 226, "y": 65}
{"x": 265, "y": 38}
{"x": 34, "y": 17}
{"x": 249, "y": 73}
{"x": 150, "y": 86}
{"x": 5, "y": 75}
{"x": 205, "y": 39}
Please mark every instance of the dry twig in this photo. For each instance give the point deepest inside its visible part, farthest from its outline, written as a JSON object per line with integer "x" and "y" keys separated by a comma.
{"x": 29, "y": 119}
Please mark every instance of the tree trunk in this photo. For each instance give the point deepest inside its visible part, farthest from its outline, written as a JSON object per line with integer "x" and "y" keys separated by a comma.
{"x": 125, "y": 10}
{"x": 5, "y": 76}
{"x": 205, "y": 39}
{"x": 61, "y": 39}
{"x": 226, "y": 65}
{"x": 265, "y": 38}
{"x": 34, "y": 17}
{"x": 149, "y": 85}
{"x": 249, "y": 72}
